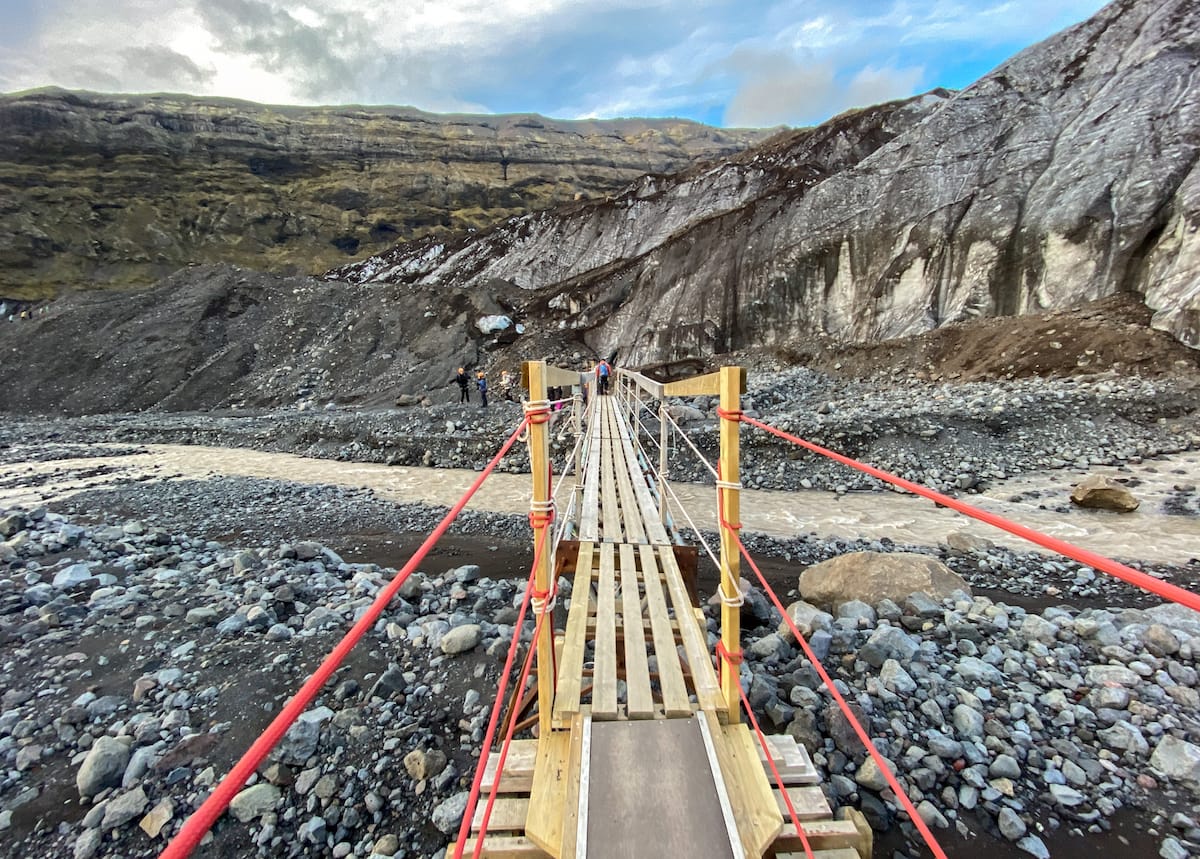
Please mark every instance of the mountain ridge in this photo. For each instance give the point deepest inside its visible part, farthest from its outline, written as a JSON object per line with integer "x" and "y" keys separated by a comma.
{"x": 1065, "y": 175}
{"x": 120, "y": 190}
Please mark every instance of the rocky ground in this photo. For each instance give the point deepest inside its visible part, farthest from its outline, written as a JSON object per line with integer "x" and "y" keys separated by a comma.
{"x": 949, "y": 436}
{"x": 149, "y": 630}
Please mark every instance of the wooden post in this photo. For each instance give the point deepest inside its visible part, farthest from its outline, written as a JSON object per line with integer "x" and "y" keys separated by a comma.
{"x": 731, "y": 387}
{"x": 539, "y": 460}
{"x": 577, "y": 465}
{"x": 662, "y": 461}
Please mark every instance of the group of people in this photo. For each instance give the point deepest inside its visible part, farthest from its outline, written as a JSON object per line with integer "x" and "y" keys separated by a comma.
{"x": 462, "y": 378}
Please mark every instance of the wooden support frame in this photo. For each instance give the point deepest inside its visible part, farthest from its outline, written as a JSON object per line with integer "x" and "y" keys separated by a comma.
{"x": 732, "y": 383}
{"x": 543, "y": 533}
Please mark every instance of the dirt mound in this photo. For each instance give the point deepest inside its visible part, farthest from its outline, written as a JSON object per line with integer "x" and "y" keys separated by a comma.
{"x": 1113, "y": 334}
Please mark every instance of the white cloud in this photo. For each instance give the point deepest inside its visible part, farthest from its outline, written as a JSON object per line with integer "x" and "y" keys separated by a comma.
{"x": 757, "y": 61}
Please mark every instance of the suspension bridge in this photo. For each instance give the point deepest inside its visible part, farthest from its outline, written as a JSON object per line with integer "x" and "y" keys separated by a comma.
{"x": 644, "y": 741}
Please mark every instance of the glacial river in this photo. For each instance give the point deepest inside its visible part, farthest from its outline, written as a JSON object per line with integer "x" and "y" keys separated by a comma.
{"x": 1148, "y": 533}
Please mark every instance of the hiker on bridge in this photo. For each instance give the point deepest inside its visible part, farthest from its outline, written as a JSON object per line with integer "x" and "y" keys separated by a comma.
{"x": 603, "y": 370}
{"x": 463, "y": 380}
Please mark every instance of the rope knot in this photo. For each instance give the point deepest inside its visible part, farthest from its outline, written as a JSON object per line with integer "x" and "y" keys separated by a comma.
{"x": 735, "y": 657}
{"x": 542, "y": 513}
{"x": 538, "y": 601}
{"x": 537, "y": 411}
{"x": 729, "y": 414}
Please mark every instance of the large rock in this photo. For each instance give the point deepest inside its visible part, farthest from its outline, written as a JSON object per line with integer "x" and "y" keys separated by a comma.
{"x": 1179, "y": 760}
{"x": 103, "y": 767}
{"x": 1103, "y": 493}
{"x": 874, "y": 576}
{"x": 449, "y": 813}
{"x": 254, "y": 802}
{"x": 460, "y": 639}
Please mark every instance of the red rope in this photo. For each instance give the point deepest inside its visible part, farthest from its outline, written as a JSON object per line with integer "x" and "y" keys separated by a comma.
{"x": 195, "y": 827}
{"x": 512, "y": 724}
{"x": 762, "y": 741}
{"x": 845, "y": 708}
{"x": 464, "y": 827}
{"x": 1061, "y": 547}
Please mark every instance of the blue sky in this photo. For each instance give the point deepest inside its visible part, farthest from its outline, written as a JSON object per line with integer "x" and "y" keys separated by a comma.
{"x": 724, "y": 62}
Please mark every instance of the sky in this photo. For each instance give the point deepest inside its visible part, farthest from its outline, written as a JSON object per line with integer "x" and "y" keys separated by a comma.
{"x": 723, "y": 62}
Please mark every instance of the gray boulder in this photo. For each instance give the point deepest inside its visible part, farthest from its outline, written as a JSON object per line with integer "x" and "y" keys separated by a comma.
{"x": 449, "y": 813}
{"x": 875, "y": 576}
{"x": 103, "y": 767}
{"x": 460, "y": 639}
{"x": 254, "y": 802}
{"x": 1178, "y": 760}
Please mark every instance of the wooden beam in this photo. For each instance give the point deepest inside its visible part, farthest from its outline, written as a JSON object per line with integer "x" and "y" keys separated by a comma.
{"x": 639, "y": 703}
{"x": 570, "y": 670}
{"x": 706, "y": 385}
{"x": 555, "y": 377}
{"x": 503, "y": 847}
{"x": 543, "y": 820}
{"x": 604, "y": 695}
{"x": 670, "y": 673}
{"x": 754, "y": 809}
{"x": 651, "y": 387}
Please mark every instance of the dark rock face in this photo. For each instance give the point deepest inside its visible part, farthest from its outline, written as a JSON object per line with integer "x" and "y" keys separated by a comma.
{"x": 1066, "y": 175}
{"x": 121, "y": 190}
{"x": 221, "y": 336}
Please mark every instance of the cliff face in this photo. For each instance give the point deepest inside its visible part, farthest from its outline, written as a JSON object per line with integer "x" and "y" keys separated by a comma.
{"x": 100, "y": 190}
{"x": 1066, "y": 175}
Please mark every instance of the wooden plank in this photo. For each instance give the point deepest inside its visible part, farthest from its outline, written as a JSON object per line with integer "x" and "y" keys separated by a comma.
{"x": 570, "y": 670}
{"x": 639, "y": 700}
{"x": 631, "y": 514}
{"x": 518, "y": 768}
{"x": 656, "y": 532}
{"x": 670, "y": 674}
{"x": 758, "y": 820}
{"x": 808, "y": 801}
{"x": 840, "y": 853}
{"x": 695, "y": 644}
{"x": 589, "y": 527}
{"x": 791, "y": 759}
{"x": 571, "y": 800}
{"x": 503, "y": 847}
{"x": 508, "y": 814}
{"x": 611, "y": 518}
{"x": 604, "y": 692}
{"x": 821, "y": 834}
{"x": 543, "y": 823}
{"x": 652, "y": 793}
{"x": 707, "y": 385}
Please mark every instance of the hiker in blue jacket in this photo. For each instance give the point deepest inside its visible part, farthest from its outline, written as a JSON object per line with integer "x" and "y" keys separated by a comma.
{"x": 481, "y": 382}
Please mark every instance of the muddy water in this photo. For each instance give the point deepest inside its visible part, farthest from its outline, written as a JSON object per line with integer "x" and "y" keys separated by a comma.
{"x": 1148, "y": 533}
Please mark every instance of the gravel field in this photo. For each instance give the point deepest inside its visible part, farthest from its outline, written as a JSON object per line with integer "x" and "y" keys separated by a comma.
{"x": 149, "y": 630}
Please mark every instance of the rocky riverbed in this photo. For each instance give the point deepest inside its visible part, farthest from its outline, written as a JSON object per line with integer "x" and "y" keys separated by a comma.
{"x": 150, "y": 628}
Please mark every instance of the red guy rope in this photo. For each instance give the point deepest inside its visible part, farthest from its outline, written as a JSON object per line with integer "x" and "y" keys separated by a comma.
{"x": 845, "y": 708}
{"x": 195, "y": 827}
{"x": 1061, "y": 547}
{"x": 762, "y": 741}
{"x": 464, "y": 828}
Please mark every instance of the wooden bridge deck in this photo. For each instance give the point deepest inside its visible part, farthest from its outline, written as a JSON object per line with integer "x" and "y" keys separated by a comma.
{"x": 640, "y": 761}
